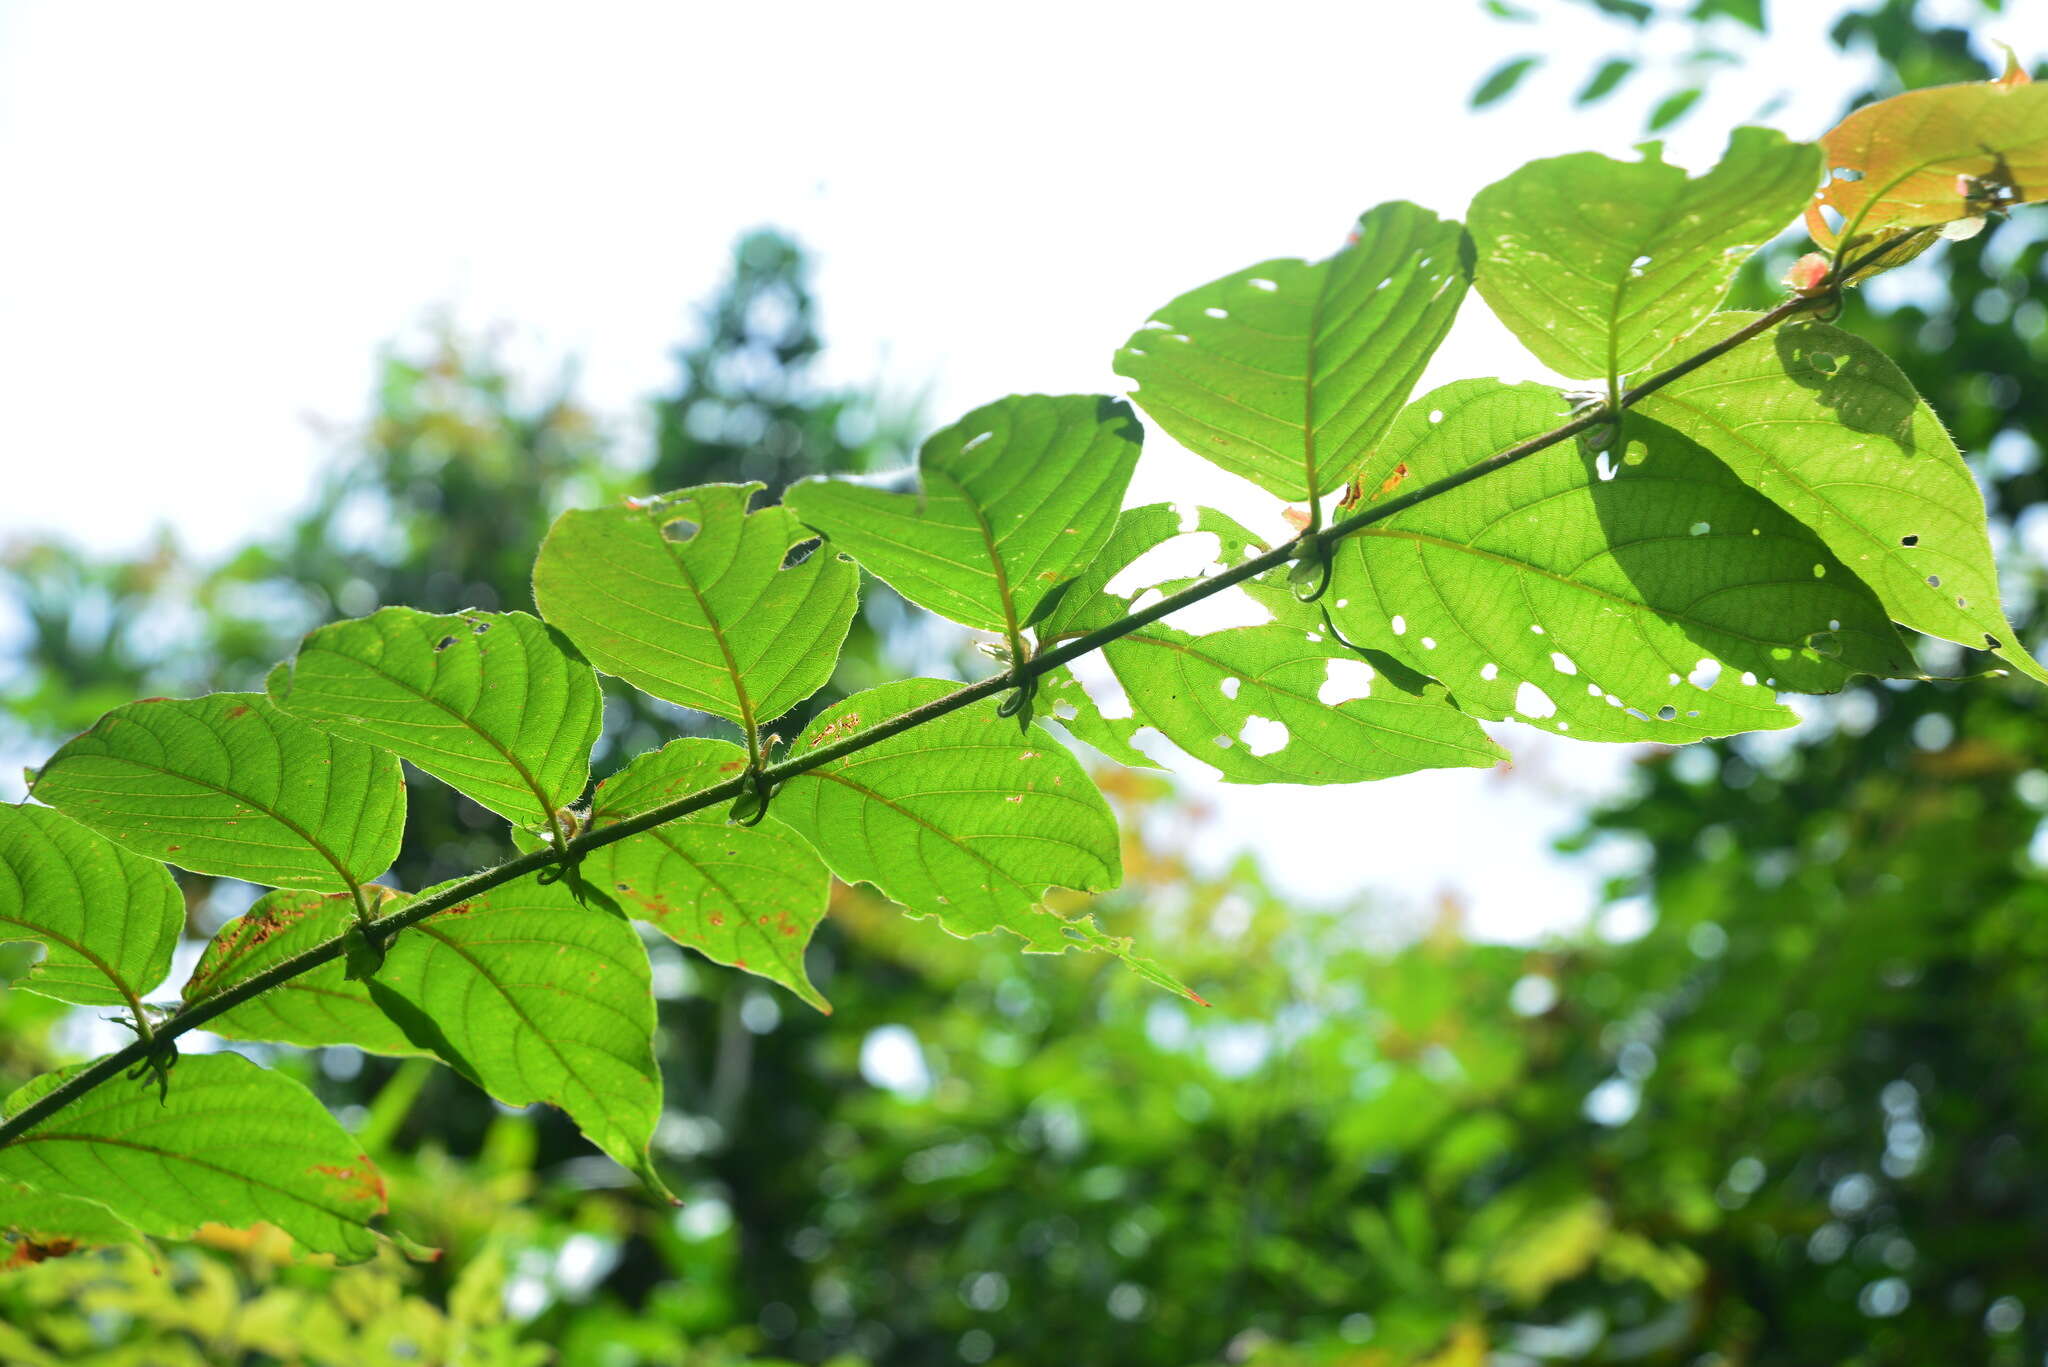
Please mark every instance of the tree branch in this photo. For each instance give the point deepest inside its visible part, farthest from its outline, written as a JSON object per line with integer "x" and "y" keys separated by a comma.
{"x": 381, "y": 931}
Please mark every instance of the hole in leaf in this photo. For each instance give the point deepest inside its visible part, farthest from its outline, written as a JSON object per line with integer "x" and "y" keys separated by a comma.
{"x": 1489, "y": 671}
{"x": 1909, "y": 541}
{"x": 1229, "y": 688}
{"x": 1263, "y": 736}
{"x": 1933, "y": 581}
{"x": 1436, "y": 415}
{"x": 800, "y": 552}
{"x": 1399, "y": 625}
{"x": 443, "y": 644}
{"x": 974, "y": 441}
{"x": 1992, "y": 642}
{"x": 1536, "y": 628}
{"x": 1429, "y": 643}
{"x": 1705, "y": 674}
{"x": 1603, "y": 466}
{"x": 680, "y": 530}
{"x": 1533, "y": 702}
{"x": 1845, "y": 173}
{"x": 1259, "y": 283}
{"x": 1667, "y": 713}
{"x": 1701, "y": 528}
{"x": 1344, "y": 680}
{"x": 1562, "y": 662}
{"x": 1215, "y": 312}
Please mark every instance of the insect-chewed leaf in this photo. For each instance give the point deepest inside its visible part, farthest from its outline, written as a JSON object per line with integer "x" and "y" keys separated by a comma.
{"x": 229, "y": 1143}
{"x": 535, "y": 997}
{"x": 496, "y": 704}
{"x": 1288, "y": 372}
{"x": 43, "y": 1225}
{"x": 1825, "y": 426}
{"x": 1651, "y": 598}
{"x": 960, "y": 819}
{"x": 109, "y": 918}
{"x": 686, "y": 596}
{"x": 748, "y": 896}
{"x": 229, "y": 785}
{"x": 1600, "y": 265}
{"x": 319, "y": 1006}
{"x": 1012, "y": 498}
{"x": 1930, "y": 157}
{"x": 1280, "y": 702}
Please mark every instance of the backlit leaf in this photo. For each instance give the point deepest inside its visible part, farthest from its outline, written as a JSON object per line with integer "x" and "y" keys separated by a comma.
{"x": 230, "y": 1144}
{"x": 497, "y": 705}
{"x": 229, "y": 785}
{"x": 1600, "y": 265}
{"x": 534, "y": 997}
{"x": 1281, "y": 702}
{"x": 748, "y": 896}
{"x": 108, "y": 918}
{"x": 48, "y": 1225}
{"x": 1288, "y": 372}
{"x": 961, "y": 819}
{"x": 1011, "y": 499}
{"x": 1824, "y": 425}
{"x": 317, "y": 1007}
{"x": 1500, "y": 82}
{"x": 1665, "y": 602}
{"x": 685, "y": 595}
{"x": 1932, "y": 156}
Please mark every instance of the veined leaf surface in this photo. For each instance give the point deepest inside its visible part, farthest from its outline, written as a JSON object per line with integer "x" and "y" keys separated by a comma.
{"x": 1825, "y": 426}
{"x": 40, "y": 1218}
{"x": 1288, "y": 372}
{"x": 747, "y": 896}
{"x": 1600, "y": 265}
{"x": 1012, "y": 499}
{"x": 962, "y": 819}
{"x": 229, "y": 785}
{"x": 230, "y": 1143}
{"x": 1220, "y": 695}
{"x": 685, "y": 596}
{"x": 109, "y": 919}
{"x": 1664, "y": 602}
{"x": 496, "y": 704}
{"x": 1932, "y": 156}
{"x": 318, "y": 1007}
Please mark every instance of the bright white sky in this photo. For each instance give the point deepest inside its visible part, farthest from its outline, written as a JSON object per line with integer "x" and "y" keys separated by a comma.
{"x": 217, "y": 212}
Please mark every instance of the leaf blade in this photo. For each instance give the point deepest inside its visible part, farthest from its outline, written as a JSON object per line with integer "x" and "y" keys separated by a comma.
{"x": 229, "y": 785}
{"x": 1603, "y": 595}
{"x": 706, "y": 617}
{"x": 1600, "y": 266}
{"x": 109, "y": 919}
{"x": 1287, "y": 372}
{"x": 1013, "y": 497}
{"x": 1827, "y": 427}
{"x": 245, "y": 1145}
{"x": 496, "y": 705}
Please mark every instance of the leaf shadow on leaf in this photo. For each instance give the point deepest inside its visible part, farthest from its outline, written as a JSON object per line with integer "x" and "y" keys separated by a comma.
{"x": 1655, "y": 566}
{"x": 421, "y": 1029}
{"x": 1810, "y": 362}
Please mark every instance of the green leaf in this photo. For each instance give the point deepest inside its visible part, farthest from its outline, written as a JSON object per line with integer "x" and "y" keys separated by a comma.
{"x": 497, "y": 705}
{"x": 108, "y": 918}
{"x": 1605, "y": 80}
{"x": 1288, "y": 372}
{"x": 232, "y": 1144}
{"x": 229, "y": 785}
{"x": 962, "y": 820}
{"x": 536, "y": 998}
{"x": 1218, "y": 695}
{"x": 1824, "y": 425}
{"x": 524, "y": 992}
{"x": 319, "y": 1006}
{"x": 1600, "y": 606}
{"x": 1673, "y": 107}
{"x": 1011, "y": 499}
{"x": 747, "y": 896}
{"x": 685, "y": 596}
{"x": 1500, "y": 82}
{"x": 44, "y": 1219}
{"x": 1599, "y": 266}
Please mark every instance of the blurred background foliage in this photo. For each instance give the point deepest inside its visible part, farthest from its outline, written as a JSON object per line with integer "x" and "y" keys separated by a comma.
{"x": 1779, "y": 1104}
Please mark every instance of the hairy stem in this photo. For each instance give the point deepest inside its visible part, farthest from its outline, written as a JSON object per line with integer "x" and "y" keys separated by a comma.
{"x": 381, "y": 931}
